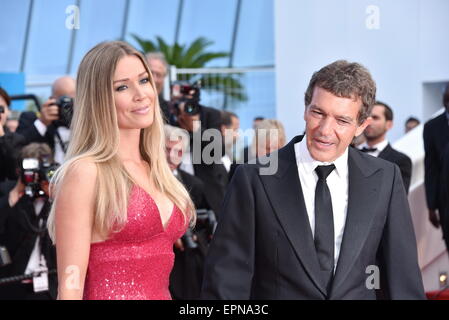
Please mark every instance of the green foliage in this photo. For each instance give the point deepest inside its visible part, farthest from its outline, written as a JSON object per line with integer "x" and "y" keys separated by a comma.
{"x": 195, "y": 55}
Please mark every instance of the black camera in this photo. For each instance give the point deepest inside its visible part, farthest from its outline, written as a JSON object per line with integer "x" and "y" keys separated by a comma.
{"x": 206, "y": 223}
{"x": 65, "y": 105}
{"x": 34, "y": 172}
{"x": 187, "y": 98}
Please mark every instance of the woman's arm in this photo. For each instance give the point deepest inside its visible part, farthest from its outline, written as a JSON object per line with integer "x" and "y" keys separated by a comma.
{"x": 73, "y": 223}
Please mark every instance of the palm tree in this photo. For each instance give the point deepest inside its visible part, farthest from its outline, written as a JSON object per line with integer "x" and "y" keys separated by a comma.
{"x": 196, "y": 56}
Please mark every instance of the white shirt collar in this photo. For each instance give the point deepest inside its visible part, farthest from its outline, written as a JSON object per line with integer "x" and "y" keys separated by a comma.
{"x": 309, "y": 164}
{"x": 380, "y": 146}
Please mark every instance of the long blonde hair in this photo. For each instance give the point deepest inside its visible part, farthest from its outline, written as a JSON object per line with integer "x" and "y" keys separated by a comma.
{"x": 95, "y": 136}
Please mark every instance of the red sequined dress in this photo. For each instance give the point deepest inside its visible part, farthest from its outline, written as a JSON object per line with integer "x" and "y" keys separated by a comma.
{"x": 135, "y": 263}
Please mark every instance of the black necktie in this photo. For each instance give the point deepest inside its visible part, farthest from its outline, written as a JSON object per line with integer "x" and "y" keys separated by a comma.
{"x": 365, "y": 149}
{"x": 324, "y": 225}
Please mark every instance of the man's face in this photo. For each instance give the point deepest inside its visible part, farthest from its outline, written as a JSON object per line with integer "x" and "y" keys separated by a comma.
{"x": 231, "y": 133}
{"x": 410, "y": 125}
{"x": 331, "y": 124}
{"x": 379, "y": 124}
{"x": 174, "y": 152}
{"x": 159, "y": 72}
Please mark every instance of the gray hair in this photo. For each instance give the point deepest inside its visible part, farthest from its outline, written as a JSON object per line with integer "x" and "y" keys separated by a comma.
{"x": 175, "y": 133}
{"x": 157, "y": 56}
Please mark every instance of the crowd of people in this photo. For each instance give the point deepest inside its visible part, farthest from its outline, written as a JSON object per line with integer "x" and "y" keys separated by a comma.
{"x": 150, "y": 199}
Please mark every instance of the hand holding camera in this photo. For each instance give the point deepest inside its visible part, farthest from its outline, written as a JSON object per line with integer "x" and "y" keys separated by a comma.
{"x": 186, "y": 105}
{"x": 49, "y": 112}
{"x": 59, "y": 111}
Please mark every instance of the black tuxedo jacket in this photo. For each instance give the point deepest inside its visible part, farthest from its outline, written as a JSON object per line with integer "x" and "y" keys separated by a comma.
{"x": 403, "y": 161}
{"x": 27, "y": 129}
{"x": 263, "y": 247}
{"x": 195, "y": 187}
{"x": 19, "y": 238}
{"x": 214, "y": 175}
{"x": 436, "y": 138}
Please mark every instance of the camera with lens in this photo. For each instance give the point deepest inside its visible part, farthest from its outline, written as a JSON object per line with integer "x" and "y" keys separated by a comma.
{"x": 34, "y": 172}
{"x": 186, "y": 98}
{"x": 206, "y": 223}
{"x": 65, "y": 105}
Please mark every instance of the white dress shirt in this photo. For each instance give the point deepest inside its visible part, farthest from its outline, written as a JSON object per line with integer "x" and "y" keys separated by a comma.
{"x": 64, "y": 133}
{"x": 36, "y": 257}
{"x": 338, "y": 184}
{"x": 226, "y": 162}
{"x": 380, "y": 147}
{"x": 187, "y": 163}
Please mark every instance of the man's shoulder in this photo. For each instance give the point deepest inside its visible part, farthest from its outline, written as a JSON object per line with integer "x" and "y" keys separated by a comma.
{"x": 28, "y": 115}
{"x": 190, "y": 179}
{"x": 394, "y": 154}
{"x": 436, "y": 122}
{"x": 368, "y": 162}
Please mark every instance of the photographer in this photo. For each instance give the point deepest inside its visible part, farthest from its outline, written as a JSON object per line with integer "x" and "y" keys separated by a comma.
{"x": 23, "y": 228}
{"x": 193, "y": 117}
{"x": 190, "y": 250}
{"x": 52, "y": 125}
{"x": 10, "y": 142}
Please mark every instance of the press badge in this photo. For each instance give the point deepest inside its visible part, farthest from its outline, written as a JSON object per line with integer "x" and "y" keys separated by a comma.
{"x": 40, "y": 283}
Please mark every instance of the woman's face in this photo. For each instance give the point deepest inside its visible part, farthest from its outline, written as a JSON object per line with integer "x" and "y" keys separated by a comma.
{"x": 135, "y": 99}
{"x": 4, "y": 115}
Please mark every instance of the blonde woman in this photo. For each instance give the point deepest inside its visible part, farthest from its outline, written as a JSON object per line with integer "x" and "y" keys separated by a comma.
{"x": 269, "y": 135}
{"x": 117, "y": 207}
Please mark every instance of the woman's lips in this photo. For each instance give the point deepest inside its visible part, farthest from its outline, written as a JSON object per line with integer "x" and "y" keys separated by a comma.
{"x": 143, "y": 110}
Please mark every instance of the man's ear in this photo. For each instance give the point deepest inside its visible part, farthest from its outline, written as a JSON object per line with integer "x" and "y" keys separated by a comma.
{"x": 305, "y": 112}
{"x": 363, "y": 126}
{"x": 389, "y": 124}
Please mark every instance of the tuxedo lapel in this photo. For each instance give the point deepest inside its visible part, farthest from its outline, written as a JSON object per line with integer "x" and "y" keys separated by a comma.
{"x": 285, "y": 195}
{"x": 385, "y": 152}
{"x": 362, "y": 197}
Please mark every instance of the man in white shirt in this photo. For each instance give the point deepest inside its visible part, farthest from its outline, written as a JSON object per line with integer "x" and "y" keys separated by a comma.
{"x": 377, "y": 143}
{"x": 230, "y": 131}
{"x": 331, "y": 223}
{"x": 45, "y": 127}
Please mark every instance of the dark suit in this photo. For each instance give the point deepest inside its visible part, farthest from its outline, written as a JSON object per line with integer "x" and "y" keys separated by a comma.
{"x": 187, "y": 273}
{"x": 11, "y": 144}
{"x": 195, "y": 187}
{"x": 402, "y": 160}
{"x": 214, "y": 176}
{"x": 263, "y": 247}
{"x": 436, "y": 138}
{"x": 27, "y": 129}
{"x": 17, "y": 235}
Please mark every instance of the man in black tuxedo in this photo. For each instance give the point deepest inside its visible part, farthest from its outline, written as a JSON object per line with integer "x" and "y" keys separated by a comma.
{"x": 46, "y": 128}
{"x": 377, "y": 144}
{"x": 187, "y": 272}
{"x": 330, "y": 223}
{"x": 436, "y": 138}
{"x": 23, "y": 232}
{"x": 205, "y": 162}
